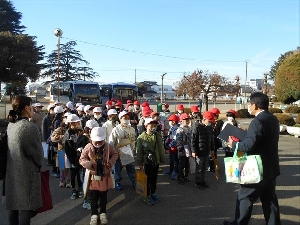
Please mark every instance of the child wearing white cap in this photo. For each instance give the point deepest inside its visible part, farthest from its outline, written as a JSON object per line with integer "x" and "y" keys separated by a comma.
{"x": 150, "y": 153}
{"x": 97, "y": 111}
{"x": 99, "y": 157}
{"x": 69, "y": 142}
{"x": 82, "y": 141}
{"x": 123, "y": 138}
{"x": 112, "y": 121}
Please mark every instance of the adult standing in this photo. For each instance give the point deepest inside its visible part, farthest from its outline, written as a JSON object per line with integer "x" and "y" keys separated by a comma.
{"x": 46, "y": 130}
{"x": 24, "y": 162}
{"x": 38, "y": 116}
{"x": 261, "y": 139}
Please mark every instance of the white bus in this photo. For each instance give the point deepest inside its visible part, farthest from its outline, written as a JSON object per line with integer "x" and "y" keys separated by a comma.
{"x": 86, "y": 92}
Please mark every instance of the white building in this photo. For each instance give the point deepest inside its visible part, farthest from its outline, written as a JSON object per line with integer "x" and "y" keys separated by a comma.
{"x": 256, "y": 84}
{"x": 168, "y": 91}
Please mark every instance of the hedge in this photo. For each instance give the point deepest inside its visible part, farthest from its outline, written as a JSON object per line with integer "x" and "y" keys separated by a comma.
{"x": 285, "y": 119}
{"x": 243, "y": 113}
{"x": 298, "y": 119}
{"x": 275, "y": 110}
{"x": 292, "y": 109}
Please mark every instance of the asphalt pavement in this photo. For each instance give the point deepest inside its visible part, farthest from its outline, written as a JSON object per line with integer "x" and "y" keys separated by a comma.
{"x": 181, "y": 204}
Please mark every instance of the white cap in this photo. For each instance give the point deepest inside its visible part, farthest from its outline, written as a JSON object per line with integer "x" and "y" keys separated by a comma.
{"x": 123, "y": 113}
{"x": 70, "y": 105}
{"x": 80, "y": 108}
{"x": 112, "y": 112}
{"x": 91, "y": 124}
{"x": 97, "y": 109}
{"x": 67, "y": 114}
{"x": 38, "y": 105}
{"x": 87, "y": 107}
{"x": 59, "y": 109}
{"x": 98, "y": 134}
{"x": 50, "y": 106}
{"x": 78, "y": 104}
{"x": 72, "y": 118}
{"x": 150, "y": 120}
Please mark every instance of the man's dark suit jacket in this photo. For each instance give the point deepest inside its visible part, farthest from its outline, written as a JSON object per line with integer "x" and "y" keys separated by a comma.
{"x": 262, "y": 139}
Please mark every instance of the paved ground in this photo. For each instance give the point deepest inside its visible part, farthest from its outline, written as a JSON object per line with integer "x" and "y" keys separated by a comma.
{"x": 181, "y": 204}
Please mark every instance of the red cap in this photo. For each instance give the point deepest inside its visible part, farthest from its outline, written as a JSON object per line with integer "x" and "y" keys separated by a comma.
{"x": 146, "y": 112}
{"x": 154, "y": 114}
{"x": 119, "y": 103}
{"x": 180, "y": 107}
{"x": 145, "y": 104}
{"x": 136, "y": 103}
{"x": 233, "y": 112}
{"x": 194, "y": 108}
{"x": 209, "y": 116}
{"x": 166, "y": 104}
{"x": 129, "y": 102}
{"x": 184, "y": 116}
{"x": 108, "y": 103}
{"x": 215, "y": 111}
{"x": 174, "y": 117}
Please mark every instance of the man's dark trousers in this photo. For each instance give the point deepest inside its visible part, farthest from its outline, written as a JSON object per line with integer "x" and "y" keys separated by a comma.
{"x": 248, "y": 194}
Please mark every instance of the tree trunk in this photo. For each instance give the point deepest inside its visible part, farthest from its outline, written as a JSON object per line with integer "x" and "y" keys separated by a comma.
{"x": 206, "y": 101}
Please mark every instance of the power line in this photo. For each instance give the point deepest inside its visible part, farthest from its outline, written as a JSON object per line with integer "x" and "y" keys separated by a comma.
{"x": 153, "y": 54}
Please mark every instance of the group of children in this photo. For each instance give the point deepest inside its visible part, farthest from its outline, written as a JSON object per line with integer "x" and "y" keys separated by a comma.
{"x": 103, "y": 141}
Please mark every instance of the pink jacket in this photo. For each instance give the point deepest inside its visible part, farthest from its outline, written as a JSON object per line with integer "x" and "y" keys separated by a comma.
{"x": 110, "y": 156}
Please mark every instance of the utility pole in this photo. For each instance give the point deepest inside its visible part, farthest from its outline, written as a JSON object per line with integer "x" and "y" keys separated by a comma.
{"x": 245, "y": 97}
{"x": 162, "y": 87}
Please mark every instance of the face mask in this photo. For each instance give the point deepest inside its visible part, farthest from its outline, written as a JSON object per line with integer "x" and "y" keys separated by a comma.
{"x": 97, "y": 116}
{"x": 170, "y": 123}
{"x": 180, "y": 111}
{"x": 130, "y": 108}
{"x": 249, "y": 110}
{"x": 230, "y": 119}
{"x": 126, "y": 122}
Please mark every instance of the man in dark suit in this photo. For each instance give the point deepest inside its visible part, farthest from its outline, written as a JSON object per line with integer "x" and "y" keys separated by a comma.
{"x": 261, "y": 139}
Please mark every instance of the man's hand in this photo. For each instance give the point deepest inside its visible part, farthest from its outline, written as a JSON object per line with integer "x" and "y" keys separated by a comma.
{"x": 229, "y": 142}
{"x": 194, "y": 154}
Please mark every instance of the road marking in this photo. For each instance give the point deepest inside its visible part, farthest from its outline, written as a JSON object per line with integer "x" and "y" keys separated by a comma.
{"x": 109, "y": 205}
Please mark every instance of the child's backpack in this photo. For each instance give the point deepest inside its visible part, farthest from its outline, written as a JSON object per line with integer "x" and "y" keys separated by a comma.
{"x": 3, "y": 155}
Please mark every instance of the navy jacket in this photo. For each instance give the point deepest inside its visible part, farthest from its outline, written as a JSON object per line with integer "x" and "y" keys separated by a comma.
{"x": 262, "y": 139}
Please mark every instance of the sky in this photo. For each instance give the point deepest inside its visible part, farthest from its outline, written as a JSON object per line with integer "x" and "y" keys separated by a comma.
{"x": 138, "y": 40}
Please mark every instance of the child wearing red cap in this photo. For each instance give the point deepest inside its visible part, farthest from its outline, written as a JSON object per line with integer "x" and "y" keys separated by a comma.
{"x": 231, "y": 119}
{"x": 170, "y": 144}
{"x": 217, "y": 126}
{"x": 183, "y": 141}
{"x": 202, "y": 145}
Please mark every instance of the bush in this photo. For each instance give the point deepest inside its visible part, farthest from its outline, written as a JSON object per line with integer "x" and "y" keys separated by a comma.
{"x": 285, "y": 119}
{"x": 275, "y": 110}
{"x": 298, "y": 119}
{"x": 243, "y": 113}
{"x": 292, "y": 109}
